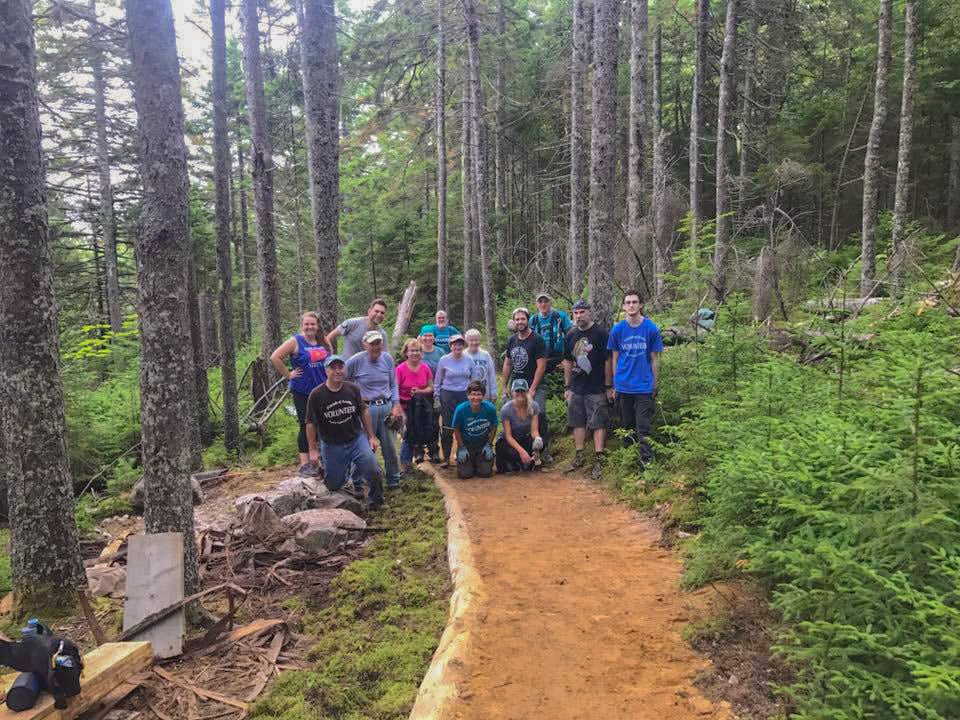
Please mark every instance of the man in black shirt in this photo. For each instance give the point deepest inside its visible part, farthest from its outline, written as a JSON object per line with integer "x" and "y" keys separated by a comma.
{"x": 527, "y": 359}
{"x": 587, "y": 385}
{"x": 337, "y": 414}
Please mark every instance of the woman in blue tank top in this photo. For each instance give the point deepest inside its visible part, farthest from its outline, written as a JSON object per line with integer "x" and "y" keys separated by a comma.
{"x": 308, "y": 353}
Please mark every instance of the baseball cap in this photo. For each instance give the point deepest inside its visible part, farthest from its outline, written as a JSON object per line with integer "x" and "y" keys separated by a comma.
{"x": 453, "y": 338}
{"x": 335, "y": 359}
{"x": 544, "y": 296}
{"x": 472, "y": 332}
{"x": 519, "y": 385}
{"x": 372, "y": 336}
{"x": 428, "y": 330}
{"x": 581, "y": 304}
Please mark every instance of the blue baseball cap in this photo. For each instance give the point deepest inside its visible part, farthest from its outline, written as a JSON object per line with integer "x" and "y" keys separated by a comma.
{"x": 334, "y": 359}
{"x": 519, "y": 385}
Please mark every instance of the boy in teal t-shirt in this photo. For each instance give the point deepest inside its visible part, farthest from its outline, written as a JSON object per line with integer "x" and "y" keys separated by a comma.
{"x": 475, "y": 427}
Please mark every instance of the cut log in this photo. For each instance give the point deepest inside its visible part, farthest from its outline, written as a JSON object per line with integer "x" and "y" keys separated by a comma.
{"x": 104, "y": 669}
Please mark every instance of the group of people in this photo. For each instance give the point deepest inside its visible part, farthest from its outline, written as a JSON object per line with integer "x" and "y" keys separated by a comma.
{"x": 443, "y": 390}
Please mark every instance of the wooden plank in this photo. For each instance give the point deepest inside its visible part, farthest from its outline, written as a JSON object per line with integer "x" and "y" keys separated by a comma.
{"x": 104, "y": 669}
{"x": 155, "y": 582}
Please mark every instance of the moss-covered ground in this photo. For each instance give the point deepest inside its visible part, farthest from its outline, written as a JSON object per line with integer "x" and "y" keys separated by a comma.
{"x": 378, "y": 628}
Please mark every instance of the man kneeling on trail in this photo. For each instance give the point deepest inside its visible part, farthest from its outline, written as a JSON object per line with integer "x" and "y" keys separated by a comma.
{"x": 475, "y": 427}
{"x": 337, "y": 413}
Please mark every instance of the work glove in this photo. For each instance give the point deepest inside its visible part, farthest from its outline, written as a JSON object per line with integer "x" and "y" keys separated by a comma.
{"x": 462, "y": 455}
{"x": 487, "y": 452}
{"x": 538, "y": 443}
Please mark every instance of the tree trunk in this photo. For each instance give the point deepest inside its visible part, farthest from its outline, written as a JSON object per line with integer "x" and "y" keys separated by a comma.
{"x": 262, "y": 161}
{"x": 221, "y": 174}
{"x": 499, "y": 150}
{"x": 199, "y": 406}
{"x": 578, "y": 145}
{"x": 319, "y": 61}
{"x": 602, "y": 160}
{"x": 107, "y": 224}
{"x": 871, "y": 163}
{"x": 478, "y": 162}
{"x": 900, "y": 209}
{"x": 44, "y": 552}
{"x": 244, "y": 250}
{"x": 469, "y": 220}
{"x": 746, "y": 113}
{"x": 440, "y": 128}
{"x": 163, "y": 247}
{"x": 696, "y": 120}
{"x": 637, "y": 128}
{"x": 662, "y": 226}
{"x": 725, "y": 131}
{"x": 953, "y": 183}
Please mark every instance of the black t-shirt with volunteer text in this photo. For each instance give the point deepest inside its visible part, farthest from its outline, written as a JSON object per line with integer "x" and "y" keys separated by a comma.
{"x": 338, "y": 416}
{"x": 587, "y": 350}
{"x": 524, "y": 354}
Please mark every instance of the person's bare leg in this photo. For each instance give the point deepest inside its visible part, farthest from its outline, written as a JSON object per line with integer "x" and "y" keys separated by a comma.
{"x": 579, "y": 437}
{"x": 599, "y": 439}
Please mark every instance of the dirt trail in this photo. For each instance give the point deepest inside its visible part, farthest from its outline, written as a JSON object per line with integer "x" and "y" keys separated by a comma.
{"x": 583, "y": 613}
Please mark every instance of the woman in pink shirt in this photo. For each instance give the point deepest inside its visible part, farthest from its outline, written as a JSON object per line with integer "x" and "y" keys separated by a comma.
{"x": 415, "y": 382}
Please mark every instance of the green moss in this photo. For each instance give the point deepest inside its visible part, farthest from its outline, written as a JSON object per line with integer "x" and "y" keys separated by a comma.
{"x": 708, "y": 629}
{"x": 5, "y": 585}
{"x": 382, "y": 621}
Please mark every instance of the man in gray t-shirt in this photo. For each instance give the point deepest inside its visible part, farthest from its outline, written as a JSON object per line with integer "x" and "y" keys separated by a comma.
{"x": 355, "y": 328}
{"x": 374, "y": 373}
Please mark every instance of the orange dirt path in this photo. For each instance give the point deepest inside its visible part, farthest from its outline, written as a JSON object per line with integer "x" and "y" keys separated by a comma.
{"x": 583, "y": 612}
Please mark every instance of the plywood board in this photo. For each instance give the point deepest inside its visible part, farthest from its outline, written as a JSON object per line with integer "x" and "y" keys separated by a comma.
{"x": 154, "y": 582}
{"x": 104, "y": 669}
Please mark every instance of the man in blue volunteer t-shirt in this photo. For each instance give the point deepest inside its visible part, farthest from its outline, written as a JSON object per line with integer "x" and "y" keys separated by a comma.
{"x": 442, "y": 331}
{"x": 636, "y": 345}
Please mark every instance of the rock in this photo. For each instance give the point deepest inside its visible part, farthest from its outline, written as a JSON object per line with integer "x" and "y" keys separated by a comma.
{"x": 260, "y": 520}
{"x": 136, "y": 495}
{"x": 284, "y": 502}
{"x": 311, "y": 486}
{"x": 318, "y": 496}
{"x": 106, "y": 580}
{"x": 324, "y": 529}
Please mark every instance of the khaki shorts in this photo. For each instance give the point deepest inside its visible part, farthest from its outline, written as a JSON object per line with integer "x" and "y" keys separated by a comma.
{"x": 589, "y": 411}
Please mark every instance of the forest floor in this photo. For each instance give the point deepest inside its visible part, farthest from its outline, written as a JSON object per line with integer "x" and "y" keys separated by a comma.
{"x": 584, "y": 613}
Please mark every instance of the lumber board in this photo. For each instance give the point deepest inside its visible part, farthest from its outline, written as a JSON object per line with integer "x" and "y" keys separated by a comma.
{"x": 154, "y": 582}
{"x": 104, "y": 669}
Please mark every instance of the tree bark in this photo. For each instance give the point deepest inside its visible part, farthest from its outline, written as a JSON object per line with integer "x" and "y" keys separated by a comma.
{"x": 725, "y": 130}
{"x": 662, "y": 226}
{"x": 902, "y": 199}
{"x": 221, "y": 174}
{"x": 162, "y": 251}
{"x": 602, "y": 160}
{"x": 638, "y": 127}
{"x": 319, "y": 61}
{"x": 44, "y": 552}
{"x": 478, "y": 162}
{"x": 696, "y": 120}
{"x": 262, "y": 162}
{"x": 871, "y": 163}
{"x": 440, "y": 128}
{"x": 469, "y": 220}
{"x": 244, "y": 249}
{"x": 107, "y": 224}
{"x": 499, "y": 150}
{"x": 201, "y": 435}
{"x": 578, "y": 145}
{"x": 746, "y": 112}
{"x": 953, "y": 183}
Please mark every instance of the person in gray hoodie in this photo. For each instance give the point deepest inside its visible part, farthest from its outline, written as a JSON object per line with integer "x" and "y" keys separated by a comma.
{"x": 481, "y": 358}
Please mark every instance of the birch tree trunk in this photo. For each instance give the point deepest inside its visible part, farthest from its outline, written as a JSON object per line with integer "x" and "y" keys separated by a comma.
{"x": 478, "y": 176}
{"x": 578, "y": 145}
{"x": 440, "y": 127}
{"x": 602, "y": 160}
{"x": 162, "y": 249}
{"x": 221, "y": 175}
{"x": 469, "y": 219}
{"x": 725, "y": 130}
{"x": 638, "y": 128}
{"x": 696, "y": 119}
{"x": 262, "y": 163}
{"x": 107, "y": 225}
{"x": 871, "y": 163}
{"x": 44, "y": 552}
{"x": 243, "y": 253}
{"x": 905, "y": 149}
{"x": 320, "y": 66}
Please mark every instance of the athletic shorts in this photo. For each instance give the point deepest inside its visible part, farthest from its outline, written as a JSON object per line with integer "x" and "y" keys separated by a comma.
{"x": 589, "y": 411}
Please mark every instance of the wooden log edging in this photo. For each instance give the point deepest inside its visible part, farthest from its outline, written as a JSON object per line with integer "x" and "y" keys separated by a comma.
{"x": 441, "y": 683}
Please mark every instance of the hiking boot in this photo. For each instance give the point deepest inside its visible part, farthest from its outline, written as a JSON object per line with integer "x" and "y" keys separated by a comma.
{"x": 546, "y": 458}
{"x": 576, "y": 463}
{"x": 596, "y": 473}
{"x": 309, "y": 470}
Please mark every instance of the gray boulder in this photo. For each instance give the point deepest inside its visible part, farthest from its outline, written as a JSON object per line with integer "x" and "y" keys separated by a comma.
{"x": 259, "y": 520}
{"x": 324, "y": 529}
{"x": 137, "y": 494}
{"x": 317, "y": 495}
{"x": 283, "y": 502}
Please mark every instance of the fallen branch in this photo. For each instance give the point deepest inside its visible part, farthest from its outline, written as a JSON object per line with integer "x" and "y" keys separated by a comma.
{"x": 200, "y": 692}
{"x": 156, "y": 617}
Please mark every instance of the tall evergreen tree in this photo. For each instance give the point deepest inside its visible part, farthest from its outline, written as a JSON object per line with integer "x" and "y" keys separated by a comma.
{"x": 697, "y": 111}
{"x": 163, "y": 249}
{"x": 905, "y": 149}
{"x": 44, "y": 552}
{"x": 726, "y": 105}
{"x": 440, "y": 132}
{"x": 578, "y": 145}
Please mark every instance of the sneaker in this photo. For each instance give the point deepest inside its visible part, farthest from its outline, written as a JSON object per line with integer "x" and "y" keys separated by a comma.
{"x": 355, "y": 490}
{"x": 308, "y": 470}
{"x": 376, "y": 507}
{"x": 393, "y": 485}
{"x": 576, "y": 463}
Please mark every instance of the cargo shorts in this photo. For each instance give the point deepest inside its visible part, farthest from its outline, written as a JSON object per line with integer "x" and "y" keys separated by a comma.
{"x": 589, "y": 411}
